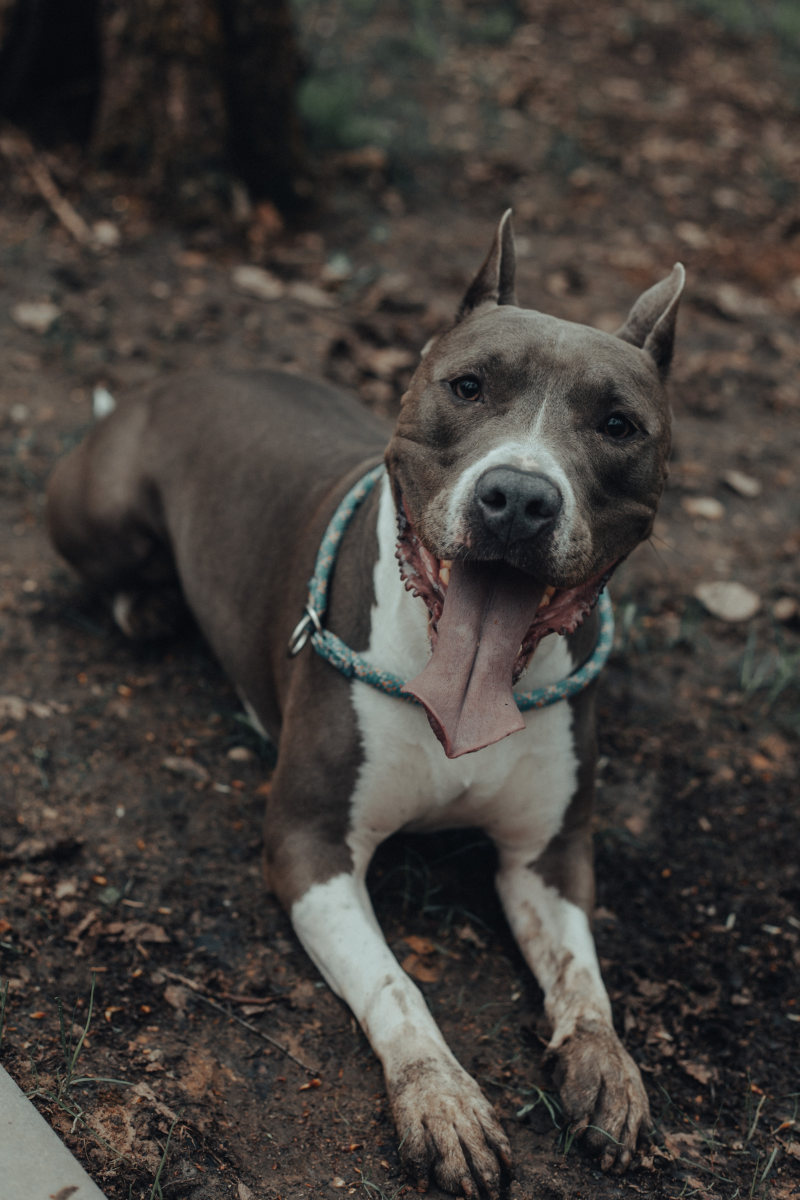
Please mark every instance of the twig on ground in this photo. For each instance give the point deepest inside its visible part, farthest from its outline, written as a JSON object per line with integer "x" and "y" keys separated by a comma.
{"x": 201, "y": 993}
{"x": 19, "y": 151}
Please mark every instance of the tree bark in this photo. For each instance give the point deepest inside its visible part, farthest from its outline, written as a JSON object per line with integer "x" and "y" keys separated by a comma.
{"x": 261, "y": 74}
{"x": 186, "y": 93}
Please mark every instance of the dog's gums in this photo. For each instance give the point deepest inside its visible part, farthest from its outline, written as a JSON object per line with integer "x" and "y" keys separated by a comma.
{"x": 560, "y": 610}
{"x": 485, "y": 620}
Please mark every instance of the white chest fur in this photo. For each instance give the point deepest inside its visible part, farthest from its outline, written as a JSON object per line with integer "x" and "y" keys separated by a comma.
{"x": 517, "y": 790}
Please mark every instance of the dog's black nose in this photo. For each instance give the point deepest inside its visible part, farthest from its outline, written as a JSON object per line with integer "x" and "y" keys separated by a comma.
{"x": 516, "y": 505}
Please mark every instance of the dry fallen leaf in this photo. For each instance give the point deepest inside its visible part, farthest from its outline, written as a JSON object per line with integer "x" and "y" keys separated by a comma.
{"x": 255, "y": 281}
{"x": 700, "y": 1071}
{"x": 418, "y": 968}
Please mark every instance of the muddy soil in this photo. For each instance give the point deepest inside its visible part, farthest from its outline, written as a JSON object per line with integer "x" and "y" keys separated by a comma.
{"x": 216, "y": 1064}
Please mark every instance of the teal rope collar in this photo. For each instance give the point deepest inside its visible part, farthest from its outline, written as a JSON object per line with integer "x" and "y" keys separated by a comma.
{"x": 334, "y": 650}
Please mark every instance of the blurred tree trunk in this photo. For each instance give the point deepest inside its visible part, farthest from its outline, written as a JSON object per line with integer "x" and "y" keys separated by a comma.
{"x": 178, "y": 94}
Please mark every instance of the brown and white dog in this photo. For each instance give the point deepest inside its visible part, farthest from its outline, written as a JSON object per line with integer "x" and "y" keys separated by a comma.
{"x": 526, "y": 463}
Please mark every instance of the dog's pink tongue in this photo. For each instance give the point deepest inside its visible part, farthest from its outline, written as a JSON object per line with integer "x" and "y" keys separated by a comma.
{"x": 466, "y": 686}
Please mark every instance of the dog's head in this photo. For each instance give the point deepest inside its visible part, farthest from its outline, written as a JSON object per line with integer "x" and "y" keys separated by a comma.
{"x": 527, "y": 461}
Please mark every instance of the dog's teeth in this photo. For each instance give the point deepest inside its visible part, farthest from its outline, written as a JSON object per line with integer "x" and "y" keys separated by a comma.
{"x": 549, "y": 592}
{"x": 444, "y": 570}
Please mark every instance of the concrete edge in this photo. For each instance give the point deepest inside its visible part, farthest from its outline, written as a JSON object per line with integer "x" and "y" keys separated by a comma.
{"x": 34, "y": 1162}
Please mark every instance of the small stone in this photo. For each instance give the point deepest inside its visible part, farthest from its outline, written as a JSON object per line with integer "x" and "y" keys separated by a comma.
{"x": 703, "y": 506}
{"x": 106, "y": 234}
{"x": 103, "y": 403}
{"x": 737, "y": 305}
{"x": 255, "y": 281}
{"x": 38, "y": 317}
{"x": 186, "y": 767}
{"x": 786, "y": 609}
{"x": 338, "y": 268}
{"x": 240, "y": 754}
{"x": 729, "y": 601}
{"x": 13, "y": 708}
{"x": 743, "y": 485}
{"x": 311, "y": 295}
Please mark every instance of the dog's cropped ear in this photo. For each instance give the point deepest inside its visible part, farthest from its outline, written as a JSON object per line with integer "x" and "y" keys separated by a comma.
{"x": 651, "y": 321}
{"x": 494, "y": 283}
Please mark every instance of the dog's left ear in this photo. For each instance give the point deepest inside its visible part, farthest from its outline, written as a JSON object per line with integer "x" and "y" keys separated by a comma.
{"x": 651, "y": 321}
{"x": 494, "y": 283}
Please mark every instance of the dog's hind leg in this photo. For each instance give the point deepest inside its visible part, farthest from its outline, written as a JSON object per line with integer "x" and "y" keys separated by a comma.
{"x": 104, "y": 520}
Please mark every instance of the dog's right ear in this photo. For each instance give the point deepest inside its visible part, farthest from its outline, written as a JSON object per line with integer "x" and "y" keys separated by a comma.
{"x": 494, "y": 283}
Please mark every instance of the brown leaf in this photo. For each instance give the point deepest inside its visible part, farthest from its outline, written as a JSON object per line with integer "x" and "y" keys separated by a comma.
{"x": 176, "y": 996}
{"x": 419, "y": 945}
{"x": 136, "y": 931}
{"x": 424, "y": 972}
{"x": 700, "y": 1071}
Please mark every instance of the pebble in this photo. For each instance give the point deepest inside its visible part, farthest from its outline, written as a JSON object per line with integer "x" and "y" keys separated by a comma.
{"x": 13, "y": 708}
{"x": 310, "y": 295}
{"x": 103, "y": 403}
{"x": 240, "y": 754}
{"x": 786, "y": 609}
{"x": 258, "y": 282}
{"x": 106, "y": 234}
{"x": 38, "y": 317}
{"x": 186, "y": 767}
{"x": 729, "y": 601}
{"x": 743, "y": 485}
{"x": 703, "y": 506}
{"x": 338, "y": 268}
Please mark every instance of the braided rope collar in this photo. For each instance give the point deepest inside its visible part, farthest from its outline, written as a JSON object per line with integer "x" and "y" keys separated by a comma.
{"x": 351, "y": 664}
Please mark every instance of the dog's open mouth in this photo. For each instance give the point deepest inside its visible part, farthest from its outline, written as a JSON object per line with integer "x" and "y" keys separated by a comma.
{"x": 485, "y": 621}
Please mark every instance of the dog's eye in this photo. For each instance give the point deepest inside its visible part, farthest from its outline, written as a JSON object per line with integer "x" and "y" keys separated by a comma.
{"x": 619, "y": 427}
{"x": 467, "y": 387}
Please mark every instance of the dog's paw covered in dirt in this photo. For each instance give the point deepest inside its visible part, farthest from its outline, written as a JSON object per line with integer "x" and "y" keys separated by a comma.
{"x": 448, "y": 1131}
{"x": 602, "y": 1093}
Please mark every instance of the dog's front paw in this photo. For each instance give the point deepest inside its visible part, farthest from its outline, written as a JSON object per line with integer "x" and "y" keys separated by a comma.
{"x": 447, "y": 1129}
{"x": 602, "y": 1093}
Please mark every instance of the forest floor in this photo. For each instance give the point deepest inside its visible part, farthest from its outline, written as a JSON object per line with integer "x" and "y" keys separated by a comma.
{"x": 215, "y": 1062}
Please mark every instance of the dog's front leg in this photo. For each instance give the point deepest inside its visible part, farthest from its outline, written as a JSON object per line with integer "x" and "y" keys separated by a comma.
{"x": 447, "y": 1128}
{"x": 600, "y": 1084}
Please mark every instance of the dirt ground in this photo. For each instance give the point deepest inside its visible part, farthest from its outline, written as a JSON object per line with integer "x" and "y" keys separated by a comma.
{"x": 216, "y": 1064}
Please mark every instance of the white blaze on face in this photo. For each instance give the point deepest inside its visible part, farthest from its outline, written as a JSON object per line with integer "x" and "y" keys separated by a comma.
{"x": 572, "y": 531}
